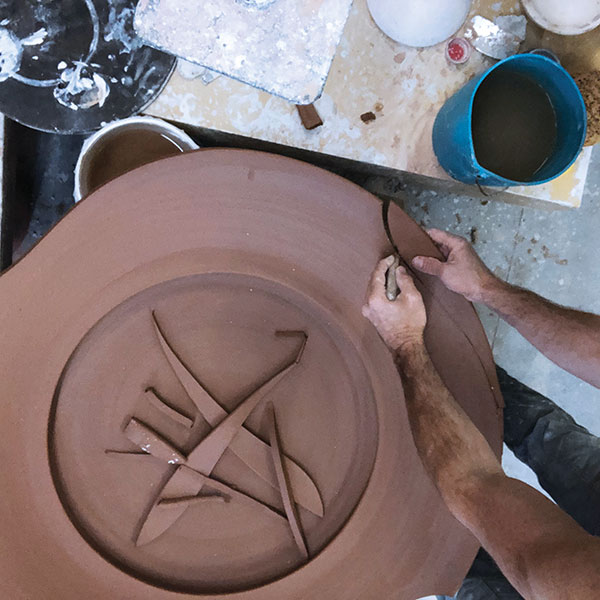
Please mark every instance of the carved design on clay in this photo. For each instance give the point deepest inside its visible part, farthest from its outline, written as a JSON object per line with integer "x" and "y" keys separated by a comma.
{"x": 246, "y": 446}
{"x": 152, "y": 442}
{"x": 182, "y": 489}
{"x": 158, "y": 402}
{"x": 191, "y": 500}
{"x": 284, "y": 485}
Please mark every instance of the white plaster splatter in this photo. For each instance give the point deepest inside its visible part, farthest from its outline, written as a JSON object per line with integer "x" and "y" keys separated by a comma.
{"x": 190, "y": 70}
{"x": 261, "y": 4}
{"x": 11, "y": 53}
{"x": 120, "y": 28}
{"x": 95, "y": 30}
{"x": 80, "y": 87}
{"x": 35, "y": 39}
{"x": 248, "y": 45}
{"x": 77, "y": 87}
{"x": 408, "y": 85}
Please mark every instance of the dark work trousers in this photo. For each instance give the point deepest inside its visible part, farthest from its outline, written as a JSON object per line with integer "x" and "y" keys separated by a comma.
{"x": 566, "y": 460}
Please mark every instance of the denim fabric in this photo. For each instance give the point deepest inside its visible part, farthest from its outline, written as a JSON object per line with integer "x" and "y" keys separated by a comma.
{"x": 566, "y": 460}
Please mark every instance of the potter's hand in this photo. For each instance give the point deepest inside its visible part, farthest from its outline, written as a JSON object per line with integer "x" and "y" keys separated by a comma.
{"x": 462, "y": 271}
{"x": 400, "y": 321}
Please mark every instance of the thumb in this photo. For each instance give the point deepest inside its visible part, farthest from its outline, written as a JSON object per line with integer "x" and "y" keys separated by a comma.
{"x": 429, "y": 265}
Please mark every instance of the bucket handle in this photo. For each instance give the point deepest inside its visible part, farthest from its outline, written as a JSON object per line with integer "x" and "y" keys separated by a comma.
{"x": 489, "y": 194}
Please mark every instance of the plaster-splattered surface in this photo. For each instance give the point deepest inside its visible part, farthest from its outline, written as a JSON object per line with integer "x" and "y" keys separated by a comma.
{"x": 282, "y": 46}
{"x": 554, "y": 253}
{"x": 74, "y": 65}
{"x": 403, "y": 87}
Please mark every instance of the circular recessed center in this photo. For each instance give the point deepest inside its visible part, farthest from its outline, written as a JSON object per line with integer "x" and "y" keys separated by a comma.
{"x": 162, "y": 438}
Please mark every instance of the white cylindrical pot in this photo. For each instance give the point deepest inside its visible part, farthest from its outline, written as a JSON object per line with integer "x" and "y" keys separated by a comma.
{"x": 565, "y": 17}
{"x": 419, "y": 23}
{"x": 180, "y": 141}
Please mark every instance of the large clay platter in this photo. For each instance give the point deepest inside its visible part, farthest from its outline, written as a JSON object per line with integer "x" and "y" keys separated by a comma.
{"x": 197, "y": 262}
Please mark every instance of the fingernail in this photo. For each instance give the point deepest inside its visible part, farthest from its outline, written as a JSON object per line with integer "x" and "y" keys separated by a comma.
{"x": 417, "y": 261}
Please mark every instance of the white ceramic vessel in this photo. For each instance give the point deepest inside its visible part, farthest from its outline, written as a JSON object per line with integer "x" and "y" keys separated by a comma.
{"x": 178, "y": 137}
{"x": 565, "y": 17}
{"x": 419, "y": 23}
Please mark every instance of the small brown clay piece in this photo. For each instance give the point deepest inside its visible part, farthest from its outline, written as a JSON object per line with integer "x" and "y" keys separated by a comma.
{"x": 223, "y": 492}
{"x": 226, "y": 491}
{"x": 368, "y": 117}
{"x": 284, "y": 485}
{"x": 299, "y": 334}
{"x": 160, "y": 404}
{"x": 150, "y": 441}
{"x": 191, "y": 500}
{"x": 309, "y": 116}
{"x": 158, "y": 521}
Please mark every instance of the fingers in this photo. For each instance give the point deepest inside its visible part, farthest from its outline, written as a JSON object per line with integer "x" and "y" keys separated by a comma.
{"x": 377, "y": 284}
{"x": 447, "y": 242}
{"x": 429, "y": 265}
{"x": 405, "y": 282}
{"x": 447, "y": 239}
{"x": 380, "y": 270}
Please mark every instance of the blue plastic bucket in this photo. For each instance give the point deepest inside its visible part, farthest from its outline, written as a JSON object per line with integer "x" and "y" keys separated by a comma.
{"x": 453, "y": 133}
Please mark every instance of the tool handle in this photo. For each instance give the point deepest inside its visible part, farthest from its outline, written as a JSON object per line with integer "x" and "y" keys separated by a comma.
{"x": 391, "y": 285}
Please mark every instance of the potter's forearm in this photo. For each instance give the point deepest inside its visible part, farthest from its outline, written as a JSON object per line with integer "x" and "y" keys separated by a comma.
{"x": 526, "y": 534}
{"x": 452, "y": 449}
{"x": 568, "y": 337}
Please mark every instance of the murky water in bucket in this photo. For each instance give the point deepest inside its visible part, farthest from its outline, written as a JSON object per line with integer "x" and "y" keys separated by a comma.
{"x": 513, "y": 125}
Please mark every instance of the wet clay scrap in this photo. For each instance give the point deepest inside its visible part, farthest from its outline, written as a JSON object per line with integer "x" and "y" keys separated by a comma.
{"x": 194, "y": 406}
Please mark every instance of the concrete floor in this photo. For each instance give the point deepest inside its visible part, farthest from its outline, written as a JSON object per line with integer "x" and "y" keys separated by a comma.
{"x": 553, "y": 253}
